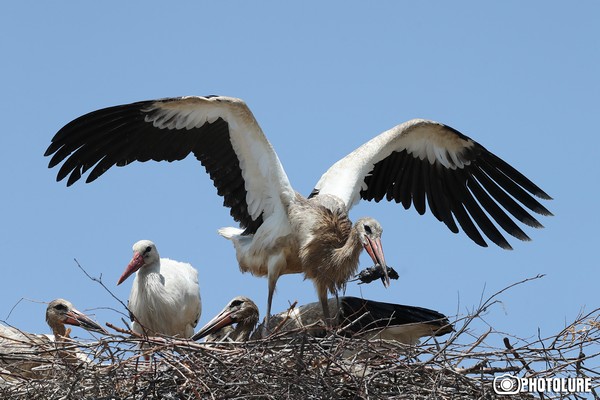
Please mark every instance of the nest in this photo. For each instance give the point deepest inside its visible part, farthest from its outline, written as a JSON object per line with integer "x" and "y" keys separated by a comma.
{"x": 295, "y": 365}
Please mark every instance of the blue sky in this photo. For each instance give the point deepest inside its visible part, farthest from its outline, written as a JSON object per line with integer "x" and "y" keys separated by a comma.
{"x": 520, "y": 78}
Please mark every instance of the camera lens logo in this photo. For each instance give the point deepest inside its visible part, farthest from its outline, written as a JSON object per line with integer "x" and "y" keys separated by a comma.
{"x": 507, "y": 384}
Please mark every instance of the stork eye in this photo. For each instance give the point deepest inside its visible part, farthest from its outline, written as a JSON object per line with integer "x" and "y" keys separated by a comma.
{"x": 236, "y": 303}
{"x": 148, "y": 249}
{"x": 368, "y": 229}
{"x": 61, "y": 307}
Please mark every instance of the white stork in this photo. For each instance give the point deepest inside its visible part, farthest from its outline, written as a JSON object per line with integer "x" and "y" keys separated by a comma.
{"x": 418, "y": 162}
{"x": 165, "y": 295}
{"x": 23, "y": 353}
{"x": 357, "y": 317}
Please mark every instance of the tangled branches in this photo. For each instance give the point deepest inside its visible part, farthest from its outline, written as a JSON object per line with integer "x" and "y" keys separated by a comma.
{"x": 295, "y": 365}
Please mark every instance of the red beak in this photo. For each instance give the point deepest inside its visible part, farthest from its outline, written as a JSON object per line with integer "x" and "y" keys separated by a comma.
{"x": 136, "y": 263}
{"x": 375, "y": 250}
{"x": 221, "y": 320}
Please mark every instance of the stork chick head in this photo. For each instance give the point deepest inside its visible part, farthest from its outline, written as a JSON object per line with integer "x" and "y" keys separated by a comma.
{"x": 61, "y": 312}
{"x": 240, "y": 310}
{"x": 144, "y": 253}
{"x": 370, "y": 231}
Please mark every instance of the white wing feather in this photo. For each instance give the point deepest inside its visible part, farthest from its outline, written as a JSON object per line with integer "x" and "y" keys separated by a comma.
{"x": 422, "y": 138}
{"x": 266, "y": 183}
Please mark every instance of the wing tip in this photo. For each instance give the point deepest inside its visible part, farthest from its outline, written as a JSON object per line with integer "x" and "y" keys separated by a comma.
{"x": 543, "y": 195}
{"x": 535, "y": 190}
{"x": 49, "y": 151}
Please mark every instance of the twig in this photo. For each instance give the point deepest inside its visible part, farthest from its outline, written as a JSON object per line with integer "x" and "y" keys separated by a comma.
{"x": 17, "y": 303}
{"x": 99, "y": 281}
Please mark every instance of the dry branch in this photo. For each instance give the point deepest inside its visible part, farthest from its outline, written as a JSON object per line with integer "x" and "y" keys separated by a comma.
{"x": 295, "y": 365}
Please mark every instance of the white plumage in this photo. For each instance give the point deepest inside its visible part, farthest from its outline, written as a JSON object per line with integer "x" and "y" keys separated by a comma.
{"x": 419, "y": 163}
{"x": 165, "y": 295}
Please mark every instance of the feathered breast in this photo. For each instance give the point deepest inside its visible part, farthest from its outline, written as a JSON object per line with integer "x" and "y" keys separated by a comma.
{"x": 331, "y": 256}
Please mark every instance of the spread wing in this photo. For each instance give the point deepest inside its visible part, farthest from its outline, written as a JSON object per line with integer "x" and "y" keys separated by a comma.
{"x": 220, "y": 131}
{"x": 424, "y": 162}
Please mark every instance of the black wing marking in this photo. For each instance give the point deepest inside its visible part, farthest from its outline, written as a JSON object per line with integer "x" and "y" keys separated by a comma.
{"x": 467, "y": 195}
{"x": 120, "y": 135}
{"x": 382, "y": 315}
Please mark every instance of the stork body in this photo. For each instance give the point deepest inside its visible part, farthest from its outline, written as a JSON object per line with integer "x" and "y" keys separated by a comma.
{"x": 165, "y": 295}
{"x": 358, "y": 317}
{"x": 367, "y": 319}
{"x": 418, "y": 163}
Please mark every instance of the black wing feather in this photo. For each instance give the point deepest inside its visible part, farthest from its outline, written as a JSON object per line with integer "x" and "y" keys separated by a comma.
{"x": 457, "y": 206}
{"x": 481, "y": 188}
{"x": 120, "y": 135}
{"x": 382, "y": 315}
{"x": 439, "y": 195}
{"x": 482, "y": 220}
{"x": 512, "y": 188}
{"x": 406, "y": 183}
{"x": 505, "y": 200}
{"x": 495, "y": 211}
{"x": 515, "y": 175}
{"x": 396, "y": 193}
{"x": 418, "y": 186}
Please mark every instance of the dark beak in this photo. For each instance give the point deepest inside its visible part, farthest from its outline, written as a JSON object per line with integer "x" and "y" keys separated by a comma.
{"x": 375, "y": 250}
{"x": 218, "y": 322}
{"x": 136, "y": 263}
{"x": 77, "y": 318}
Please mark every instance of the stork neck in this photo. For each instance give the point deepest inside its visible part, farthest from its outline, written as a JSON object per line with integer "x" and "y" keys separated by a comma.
{"x": 149, "y": 279}
{"x": 352, "y": 248}
{"x": 243, "y": 331}
{"x": 149, "y": 269}
{"x": 58, "y": 330}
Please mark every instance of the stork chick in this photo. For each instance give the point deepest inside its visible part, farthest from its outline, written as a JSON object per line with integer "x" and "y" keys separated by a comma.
{"x": 30, "y": 355}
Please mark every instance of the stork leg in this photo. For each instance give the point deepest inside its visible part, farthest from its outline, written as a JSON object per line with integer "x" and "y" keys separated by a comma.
{"x": 337, "y": 307}
{"x": 275, "y": 265}
{"x": 272, "y": 284}
{"x": 322, "y": 293}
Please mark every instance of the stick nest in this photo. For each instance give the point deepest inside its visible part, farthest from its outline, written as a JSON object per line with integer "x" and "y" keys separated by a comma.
{"x": 294, "y": 365}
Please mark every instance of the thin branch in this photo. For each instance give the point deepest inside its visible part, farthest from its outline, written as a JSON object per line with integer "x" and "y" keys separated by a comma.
{"x": 99, "y": 281}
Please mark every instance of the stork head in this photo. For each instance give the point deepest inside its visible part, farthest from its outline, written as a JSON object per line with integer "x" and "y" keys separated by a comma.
{"x": 240, "y": 310}
{"x": 61, "y": 312}
{"x": 144, "y": 253}
{"x": 370, "y": 231}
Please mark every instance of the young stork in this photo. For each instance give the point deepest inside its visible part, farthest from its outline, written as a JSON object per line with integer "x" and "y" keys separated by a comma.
{"x": 358, "y": 318}
{"x": 240, "y": 311}
{"x": 60, "y": 312}
{"x": 281, "y": 232}
{"x": 165, "y": 295}
{"x": 23, "y": 353}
